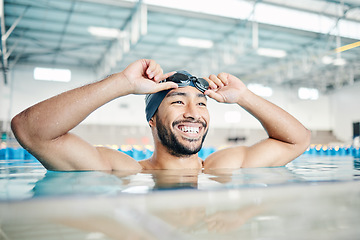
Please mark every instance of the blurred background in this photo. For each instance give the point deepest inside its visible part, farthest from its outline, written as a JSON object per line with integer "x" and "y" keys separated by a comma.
{"x": 302, "y": 55}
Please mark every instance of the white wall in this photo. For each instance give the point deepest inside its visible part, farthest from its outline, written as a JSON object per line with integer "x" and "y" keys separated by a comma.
{"x": 24, "y": 91}
{"x": 129, "y": 110}
{"x": 4, "y": 100}
{"x": 27, "y": 91}
{"x": 346, "y": 110}
{"x": 315, "y": 115}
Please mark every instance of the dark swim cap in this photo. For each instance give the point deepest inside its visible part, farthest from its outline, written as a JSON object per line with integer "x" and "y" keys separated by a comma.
{"x": 154, "y": 100}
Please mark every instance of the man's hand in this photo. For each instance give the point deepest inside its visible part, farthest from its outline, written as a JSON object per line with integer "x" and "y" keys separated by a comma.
{"x": 225, "y": 88}
{"x": 144, "y": 77}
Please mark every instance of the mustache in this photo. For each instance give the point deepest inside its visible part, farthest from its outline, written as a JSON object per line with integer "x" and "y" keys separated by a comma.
{"x": 189, "y": 121}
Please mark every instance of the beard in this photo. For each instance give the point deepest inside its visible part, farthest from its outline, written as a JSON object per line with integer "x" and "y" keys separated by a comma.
{"x": 172, "y": 143}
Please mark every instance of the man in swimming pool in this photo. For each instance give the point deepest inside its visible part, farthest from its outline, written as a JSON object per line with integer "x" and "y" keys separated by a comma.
{"x": 179, "y": 121}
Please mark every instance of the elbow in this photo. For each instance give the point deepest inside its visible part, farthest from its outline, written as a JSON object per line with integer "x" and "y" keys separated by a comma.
{"x": 305, "y": 140}
{"x": 18, "y": 127}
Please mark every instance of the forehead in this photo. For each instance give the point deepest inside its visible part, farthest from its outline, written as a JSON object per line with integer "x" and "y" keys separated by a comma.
{"x": 187, "y": 91}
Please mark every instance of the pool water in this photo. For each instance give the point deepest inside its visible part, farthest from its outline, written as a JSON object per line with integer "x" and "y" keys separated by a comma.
{"x": 313, "y": 197}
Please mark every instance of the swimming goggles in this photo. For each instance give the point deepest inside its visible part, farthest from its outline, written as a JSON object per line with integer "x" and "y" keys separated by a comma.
{"x": 183, "y": 79}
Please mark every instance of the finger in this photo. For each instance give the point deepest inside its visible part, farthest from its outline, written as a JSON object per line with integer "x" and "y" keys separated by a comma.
{"x": 216, "y": 80}
{"x": 212, "y": 85}
{"x": 169, "y": 74}
{"x": 164, "y": 76}
{"x": 224, "y": 78}
{"x": 158, "y": 72}
{"x": 164, "y": 86}
{"x": 151, "y": 69}
{"x": 214, "y": 95}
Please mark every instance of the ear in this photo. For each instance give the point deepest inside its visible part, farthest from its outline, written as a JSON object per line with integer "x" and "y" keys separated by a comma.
{"x": 151, "y": 122}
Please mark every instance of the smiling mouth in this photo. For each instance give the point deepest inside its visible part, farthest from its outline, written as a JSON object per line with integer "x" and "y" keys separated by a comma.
{"x": 190, "y": 129}
{"x": 187, "y": 129}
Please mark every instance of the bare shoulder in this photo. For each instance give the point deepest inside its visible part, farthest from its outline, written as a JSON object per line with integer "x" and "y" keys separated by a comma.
{"x": 118, "y": 160}
{"x": 231, "y": 157}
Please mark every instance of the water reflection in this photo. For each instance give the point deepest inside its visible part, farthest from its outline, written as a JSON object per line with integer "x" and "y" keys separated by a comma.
{"x": 189, "y": 222}
{"x": 120, "y": 182}
{"x": 357, "y": 164}
{"x": 326, "y": 211}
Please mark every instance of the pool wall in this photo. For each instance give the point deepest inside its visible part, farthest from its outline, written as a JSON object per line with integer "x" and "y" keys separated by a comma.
{"x": 143, "y": 152}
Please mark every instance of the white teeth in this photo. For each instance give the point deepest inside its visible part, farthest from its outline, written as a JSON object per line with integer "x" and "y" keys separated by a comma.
{"x": 190, "y": 129}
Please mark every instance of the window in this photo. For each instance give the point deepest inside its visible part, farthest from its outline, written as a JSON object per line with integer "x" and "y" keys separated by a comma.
{"x": 52, "y": 74}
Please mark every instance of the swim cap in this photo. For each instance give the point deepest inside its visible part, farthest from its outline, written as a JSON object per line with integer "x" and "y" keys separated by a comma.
{"x": 154, "y": 100}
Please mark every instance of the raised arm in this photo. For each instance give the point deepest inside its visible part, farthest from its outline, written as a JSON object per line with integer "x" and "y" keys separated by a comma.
{"x": 43, "y": 129}
{"x": 288, "y": 138}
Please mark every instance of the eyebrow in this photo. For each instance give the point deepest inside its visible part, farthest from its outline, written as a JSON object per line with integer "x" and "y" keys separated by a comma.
{"x": 172, "y": 94}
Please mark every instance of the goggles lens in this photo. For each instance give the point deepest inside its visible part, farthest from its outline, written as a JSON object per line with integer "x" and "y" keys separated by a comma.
{"x": 201, "y": 84}
{"x": 184, "y": 80}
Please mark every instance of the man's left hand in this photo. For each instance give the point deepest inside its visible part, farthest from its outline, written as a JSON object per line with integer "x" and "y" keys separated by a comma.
{"x": 225, "y": 88}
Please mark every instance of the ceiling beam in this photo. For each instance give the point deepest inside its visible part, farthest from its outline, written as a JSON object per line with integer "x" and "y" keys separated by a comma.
{"x": 134, "y": 27}
{"x": 3, "y": 49}
{"x": 5, "y": 54}
{"x": 62, "y": 35}
{"x": 14, "y": 25}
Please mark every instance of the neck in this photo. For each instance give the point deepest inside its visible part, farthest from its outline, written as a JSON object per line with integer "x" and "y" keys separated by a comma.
{"x": 162, "y": 159}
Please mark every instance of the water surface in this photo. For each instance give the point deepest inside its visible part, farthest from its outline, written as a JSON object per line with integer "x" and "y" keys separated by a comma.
{"x": 310, "y": 198}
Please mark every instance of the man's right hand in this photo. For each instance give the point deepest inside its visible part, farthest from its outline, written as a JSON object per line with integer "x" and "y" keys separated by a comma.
{"x": 44, "y": 129}
{"x": 144, "y": 76}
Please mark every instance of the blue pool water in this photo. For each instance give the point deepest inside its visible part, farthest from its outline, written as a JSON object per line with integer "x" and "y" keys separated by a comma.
{"x": 24, "y": 179}
{"x": 313, "y": 197}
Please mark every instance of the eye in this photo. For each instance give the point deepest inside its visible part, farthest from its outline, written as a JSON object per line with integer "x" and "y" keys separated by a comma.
{"x": 177, "y": 102}
{"x": 202, "y": 104}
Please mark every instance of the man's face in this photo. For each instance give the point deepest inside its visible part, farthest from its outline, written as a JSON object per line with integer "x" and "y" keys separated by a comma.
{"x": 182, "y": 121}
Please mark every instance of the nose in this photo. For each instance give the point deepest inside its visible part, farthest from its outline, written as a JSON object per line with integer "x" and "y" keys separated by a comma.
{"x": 191, "y": 111}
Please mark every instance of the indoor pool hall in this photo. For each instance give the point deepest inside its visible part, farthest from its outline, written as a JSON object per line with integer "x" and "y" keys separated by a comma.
{"x": 179, "y": 120}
